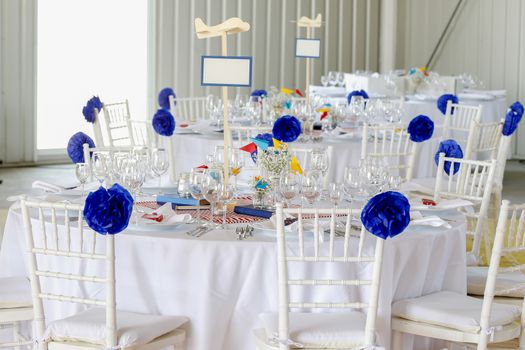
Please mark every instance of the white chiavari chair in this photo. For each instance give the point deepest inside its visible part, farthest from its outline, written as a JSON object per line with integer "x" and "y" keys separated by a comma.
{"x": 501, "y": 162}
{"x": 473, "y": 182}
{"x": 342, "y": 324}
{"x": 118, "y": 126}
{"x": 240, "y": 135}
{"x": 510, "y": 283}
{"x": 16, "y": 306}
{"x": 59, "y": 252}
{"x": 455, "y": 317}
{"x": 391, "y": 143}
{"x": 484, "y": 142}
{"x": 460, "y": 121}
{"x": 189, "y": 109}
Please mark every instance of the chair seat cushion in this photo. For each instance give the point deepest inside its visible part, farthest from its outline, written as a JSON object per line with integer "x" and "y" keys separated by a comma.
{"x": 132, "y": 328}
{"x": 320, "y": 330}
{"x": 477, "y": 278}
{"x": 453, "y": 310}
{"x": 15, "y": 292}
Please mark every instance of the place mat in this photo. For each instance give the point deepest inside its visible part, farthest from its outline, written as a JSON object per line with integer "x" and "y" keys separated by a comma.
{"x": 231, "y": 216}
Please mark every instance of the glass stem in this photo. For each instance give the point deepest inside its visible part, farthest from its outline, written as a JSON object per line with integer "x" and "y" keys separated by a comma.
{"x": 224, "y": 214}
{"x": 198, "y": 212}
{"x": 160, "y": 184}
{"x": 212, "y": 209}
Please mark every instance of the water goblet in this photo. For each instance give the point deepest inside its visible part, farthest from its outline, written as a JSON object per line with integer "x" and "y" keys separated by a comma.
{"x": 310, "y": 187}
{"x": 335, "y": 194}
{"x": 100, "y": 166}
{"x": 341, "y": 79}
{"x": 210, "y": 190}
{"x": 197, "y": 178}
{"x": 332, "y": 78}
{"x": 159, "y": 164}
{"x": 289, "y": 187}
{"x": 82, "y": 172}
{"x": 225, "y": 195}
{"x": 324, "y": 80}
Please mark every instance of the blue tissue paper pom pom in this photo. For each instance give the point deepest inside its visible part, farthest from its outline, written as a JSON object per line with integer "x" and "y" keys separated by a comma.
{"x": 452, "y": 150}
{"x": 387, "y": 214}
{"x": 420, "y": 128}
{"x": 259, "y": 93}
{"x": 361, "y": 93}
{"x": 287, "y": 128}
{"x": 108, "y": 211}
{"x": 163, "y": 122}
{"x": 164, "y": 97}
{"x": 89, "y": 109}
{"x": 513, "y": 118}
{"x": 75, "y": 146}
{"x": 266, "y": 137}
{"x": 443, "y": 100}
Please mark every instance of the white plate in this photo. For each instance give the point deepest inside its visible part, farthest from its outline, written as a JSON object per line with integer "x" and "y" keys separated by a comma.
{"x": 154, "y": 226}
{"x": 445, "y": 204}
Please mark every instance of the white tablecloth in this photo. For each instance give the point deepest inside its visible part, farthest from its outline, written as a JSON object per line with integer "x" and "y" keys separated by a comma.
{"x": 222, "y": 284}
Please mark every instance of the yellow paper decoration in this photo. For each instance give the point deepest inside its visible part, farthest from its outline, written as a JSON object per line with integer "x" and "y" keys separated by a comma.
{"x": 295, "y": 167}
{"x": 279, "y": 145}
{"x": 287, "y": 91}
{"x": 236, "y": 171}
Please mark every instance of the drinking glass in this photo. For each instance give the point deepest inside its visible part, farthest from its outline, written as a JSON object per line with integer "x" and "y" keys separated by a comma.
{"x": 210, "y": 190}
{"x": 82, "y": 172}
{"x": 352, "y": 182}
{"x": 100, "y": 166}
{"x": 289, "y": 186}
{"x": 132, "y": 178}
{"x": 225, "y": 195}
{"x": 320, "y": 161}
{"x": 310, "y": 188}
{"x": 159, "y": 164}
{"x": 335, "y": 194}
{"x": 197, "y": 178}
{"x": 332, "y": 78}
{"x": 341, "y": 79}
{"x": 324, "y": 80}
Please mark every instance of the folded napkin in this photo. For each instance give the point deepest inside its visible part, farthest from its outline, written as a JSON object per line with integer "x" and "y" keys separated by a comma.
{"x": 166, "y": 215}
{"x": 431, "y": 220}
{"x": 443, "y": 204}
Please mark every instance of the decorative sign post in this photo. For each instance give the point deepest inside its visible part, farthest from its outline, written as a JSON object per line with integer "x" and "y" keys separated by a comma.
{"x": 307, "y": 47}
{"x": 224, "y": 70}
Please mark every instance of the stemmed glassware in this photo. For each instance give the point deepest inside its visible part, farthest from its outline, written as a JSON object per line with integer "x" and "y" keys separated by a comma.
{"x": 310, "y": 188}
{"x": 341, "y": 79}
{"x": 324, "y": 80}
{"x": 159, "y": 164}
{"x": 289, "y": 187}
{"x": 100, "y": 166}
{"x": 210, "y": 190}
{"x": 133, "y": 176}
{"x": 352, "y": 182}
{"x": 332, "y": 78}
{"x": 197, "y": 178}
{"x": 320, "y": 161}
{"x": 82, "y": 172}
{"x": 335, "y": 194}
{"x": 226, "y": 192}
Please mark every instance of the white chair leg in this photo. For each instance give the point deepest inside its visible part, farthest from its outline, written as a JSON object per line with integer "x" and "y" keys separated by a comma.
{"x": 397, "y": 338}
{"x": 16, "y": 334}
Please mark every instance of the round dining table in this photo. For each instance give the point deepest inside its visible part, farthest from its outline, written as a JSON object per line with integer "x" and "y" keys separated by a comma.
{"x": 222, "y": 284}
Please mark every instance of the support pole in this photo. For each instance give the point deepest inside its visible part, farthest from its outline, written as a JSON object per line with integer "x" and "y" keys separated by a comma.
{"x": 226, "y": 158}
{"x": 308, "y": 62}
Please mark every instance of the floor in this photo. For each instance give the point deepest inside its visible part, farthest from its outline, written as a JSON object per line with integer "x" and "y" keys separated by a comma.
{"x": 19, "y": 180}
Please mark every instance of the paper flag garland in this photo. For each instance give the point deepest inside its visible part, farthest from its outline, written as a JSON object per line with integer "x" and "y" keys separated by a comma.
{"x": 261, "y": 184}
{"x": 298, "y": 92}
{"x": 287, "y": 91}
{"x": 262, "y": 144}
{"x": 295, "y": 167}
{"x": 279, "y": 145}
{"x": 250, "y": 148}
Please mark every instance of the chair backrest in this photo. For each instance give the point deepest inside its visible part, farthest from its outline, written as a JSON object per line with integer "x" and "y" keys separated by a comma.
{"x": 509, "y": 239}
{"x": 473, "y": 181}
{"x": 501, "y": 160}
{"x": 189, "y": 108}
{"x": 483, "y": 143}
{"x": 322, "y": 254}
{"x": 304, "y": 157}
{"x": 459, "y": 121}
{"x": 118, "y": 124}
{"x": 143, "y": 133}
{"x": 60, "y": 242}
{"x": 240, "y": 135}
{"x": 390, "y": 143}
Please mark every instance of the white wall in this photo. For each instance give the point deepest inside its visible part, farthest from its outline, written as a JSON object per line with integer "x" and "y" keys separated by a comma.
{"x": 487, "y": 40}
{"x": 349, "y": 39}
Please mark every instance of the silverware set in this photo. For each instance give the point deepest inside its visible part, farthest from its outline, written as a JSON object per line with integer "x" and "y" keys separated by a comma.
{"x": 244, "y": 232}
{"x": 199, "y": 231}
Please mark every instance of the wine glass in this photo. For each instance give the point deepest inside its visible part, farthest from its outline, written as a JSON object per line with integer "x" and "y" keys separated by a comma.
{"x": 211, "y": 190}
{"x": 324, "y": 80}
{"x": 352, "y": 182}
{"x": 82, "y": 172}
{"x": 320, "y": 161}
{"x": 159, "y": 164}
{"x": 225, "y": 195}
{"x": 341, "y": 79}
{"x": 289, "y": 187}
{"x": 335, "y": 193}
{"x": 310, "y": 188}
{"x": 332, "y": 78}
{"x": 100, "y": 166}
{"x": 197, "y": 178}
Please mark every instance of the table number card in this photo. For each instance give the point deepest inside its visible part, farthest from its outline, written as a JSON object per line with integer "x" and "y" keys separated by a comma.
{"x": 307, "y": 48}
{"x": 226, "y": 71}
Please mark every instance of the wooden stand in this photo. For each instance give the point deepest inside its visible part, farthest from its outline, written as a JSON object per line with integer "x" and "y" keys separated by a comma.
{"x": 309, "y": 23}
{"x": 230, "y": 26}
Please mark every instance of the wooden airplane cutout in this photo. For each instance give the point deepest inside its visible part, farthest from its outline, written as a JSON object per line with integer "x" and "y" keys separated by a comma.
{"x": 230, "y": 26}
{"x": 308, "y": 22}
